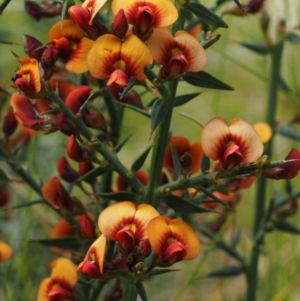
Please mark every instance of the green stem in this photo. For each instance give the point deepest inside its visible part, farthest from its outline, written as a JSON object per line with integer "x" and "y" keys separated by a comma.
{"x": 261, "y": 192}
{"x": 161, "y": 141}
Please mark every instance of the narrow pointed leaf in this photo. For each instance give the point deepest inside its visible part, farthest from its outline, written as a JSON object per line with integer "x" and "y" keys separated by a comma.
{"x": 120, "y": 196}
{"x": 119, "y": 146}
{"x": 23, "y": 205}
{"x": 64, "y": 9}
{"x": 284, "y": 86}
{"x": 286, "y": 226}
{"x": 287, "y": 130}
{"x": 205, "y": 80}
{"x": 158, "y": 112}
{"x": 152, "y": 101}
{"x": 205, "y": 163}
{"x": 62, "y": 242}
{"x": 176, "y": 162}
{"x": 293, "y": 37}
{"x": 238, "y": 4}
{"x": 161, "y": 271}
{"x": 129, "y": 87}
{"x": 257, "y": 47}
{"x": 212, "y": 196}
{"x": 236, "y": 238}
{"x": 3, "y": 90}
{"x": 141, "y": 290}
{"x": 205, "y": 15}
{"x": 228, "y": 271}
{"x": 94, "y": 173}
{"x": 139, "y": 162}
{"x": 3, "y": 176}
{"x": 183, "y": 99}
{"x": 183, "y": 206}
{"x": 136, "y": 109}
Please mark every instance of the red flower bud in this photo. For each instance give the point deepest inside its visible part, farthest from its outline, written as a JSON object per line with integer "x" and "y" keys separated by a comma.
{"x": 94, "y": 119}
{"x": 48, "y": 60}
{"x": 46, "y": 9}
{"x": 66, "y": 126}
{"x": 33, "y": 47}
{"x": 84, "y": 168}
{"x": 66, "y": 172}
{"x": 77, "y": 98}
{"x": 77, "y": 152}
{"x": 10, "y": 123}
{"x": 87, "y": 227}
{"x": 120, "y": 25}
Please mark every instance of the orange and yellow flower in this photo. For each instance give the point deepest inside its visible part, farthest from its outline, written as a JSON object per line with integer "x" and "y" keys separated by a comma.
{"x": 172, "y": 240}
{"x": 118, "y": 60}
{"x": 146, "y": 15}
{"x": 60, "y": 285}
{"x": 231, "y": 144}
{"x": 6, "y": 252}
{"x": 70, "y": 45}
{"x": 178, "y": 54}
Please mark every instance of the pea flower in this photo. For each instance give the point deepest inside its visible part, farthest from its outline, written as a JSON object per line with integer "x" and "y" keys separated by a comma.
{"x": 60, "y": 284}
{"x": 6, "y": 252}
{"x": 70, "y": 45}
{"x": 178, "y": 54}
{"x": 146, "y": 15}
{"x": 118, "y": 60}
{"x": 231, "y": 144}
{"x": 172, "y": 240}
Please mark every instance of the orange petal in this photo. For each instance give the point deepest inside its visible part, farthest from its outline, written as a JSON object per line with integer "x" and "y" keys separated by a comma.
{"x": 248, "y": 140}
{"x": 65, "y": 269}
{"x": 164, "y": 12}
{"x": 103, "y": 55}
{"x": 214, "y": 138}
{"x": 264, "y": 131}
{"x": 62, "y": 228}
{"x": 196, "y": 152}
{"x": 43, "y": 290}
{"x": 114, "y": 217}
{"x": 67, "y": 29}
{"x": 6, "y": 252}
{"x": 144, "y": 214}
{"x": 192, "y": 50}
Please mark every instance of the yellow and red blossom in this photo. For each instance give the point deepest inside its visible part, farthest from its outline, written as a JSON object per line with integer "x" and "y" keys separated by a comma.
{"x": 231, "y": 144}
{"x": 118, "y": 60}
{"x": 129, "y": 224}
{"x": 178, "y": 54}
{"x": 70, "y": 44}
{"x": 60, "y": 285}
{"x": 172, "y": 239}
{"x": 6, "y": 252}
{"x": 146, "y": 15}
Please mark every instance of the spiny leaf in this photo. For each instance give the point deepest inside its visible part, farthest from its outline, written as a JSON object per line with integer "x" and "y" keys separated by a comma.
{"x": 3, "y": 90}
{"x": 287, "y": 130}
{"x": 66, "y": 242}
{"x": 205, "y": 80}
{"x": 257, "y": 47}
{"x": 183, "y": 99}
{"x": 94, "y": 173}
{"x": 141, "y": 290}
{"x": 136, "y": 109}
{"x": 205, "y": 15}
{"x": 23, "y": 205}
{"x": 119, "y": 146}
{"x": 120, "y": 196}
{"x": 286, "y": 226}
{"x": 139, "y": 162}
{"x": 228, "y": 271}
{"x": 238, "y": 4}
{"x": 161, "y": 271}
{"x": 64, "y": 10}
{"x": 183, "y": 206}
{"x": 129, "y": 87}
{"x": 158, "y": 112}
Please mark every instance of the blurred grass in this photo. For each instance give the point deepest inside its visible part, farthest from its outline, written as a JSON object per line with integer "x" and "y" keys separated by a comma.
{"x": 232, "y": 64}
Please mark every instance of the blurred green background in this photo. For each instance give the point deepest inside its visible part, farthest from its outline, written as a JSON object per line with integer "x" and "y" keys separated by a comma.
{"x": 240, "y": 68}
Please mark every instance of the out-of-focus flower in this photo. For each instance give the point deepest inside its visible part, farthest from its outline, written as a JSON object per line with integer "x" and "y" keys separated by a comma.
{"x": 178, "y": 54}
{"x": 122, "y": 184}
{"x": 60, "y": 284}
{"x": 27, "y": 78}
{"x": 252, "y": 7}
{"x": 146, "y": 15}
{"x": 46, "y": 9}
{"x": 33, "y": 47}
{"x": 128, "y": 225}
{"x": 118, "y": 60}
{"x": 231, "y": 144}
{"x": 190, "y": 154}
{"x": 6, "y": 252}
{"x": 287, "y": 170}
{"x": 172, "y": 240}
{"x": 70, "y": 44}
{"x": 83, "y": 15}
{"x": 264, "y": 131}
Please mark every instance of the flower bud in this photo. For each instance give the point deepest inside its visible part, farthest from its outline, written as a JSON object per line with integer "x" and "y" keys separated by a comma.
{"x": 10, "y": 123}
{"x": 65, "y": 171}
{"x": 77, "y": 98}
{"x": 144, "y": 248}
{"x": 186, "y": 160}
{"x": 46, "y": 9}
{"x": 94, "y": 119}
{"x": 33, "y": 47}
{"x": 77, "y": 152}
{"x": 120, "y": 25}
{"x": 48, "y": 60}
{"x": 66, "y": 126}
{"x": 84, "y": 168}
{"x": 87, "y": 227}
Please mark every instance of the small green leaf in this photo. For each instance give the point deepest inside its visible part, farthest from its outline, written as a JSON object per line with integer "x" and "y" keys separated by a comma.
{"x": 129, "y": 87}
{"x": 205, "y": 80}
{"x": 134, "y": 108}
{"x": 286, "y": 226}
{"x": 158, "y": 112}
{"x": 287, "y": 130}
{"x": 238, "y": 4}
{"x": 66, "y": 242}
{"x": 94, "y": 173}
{"x": 141, "y": 290}
{"x": 293, "y": 37}
{"x": 161, "y": 271}
{"x": 120, "y": 196}
{"x": 176, "y": 162}
{"x": 183, "y": 206}
{"x": 236, "y": 238}
{"x": 64, "y": 10}
{"x": 205, "y": 15}
{"x": 228, "y": 271}
{"x": 257, "y": 47}
{"x": 139, "y": 162}
{"x": 23, "y": 205}
{"x": 183, "y": 99}
{"x": 119, "y": 146}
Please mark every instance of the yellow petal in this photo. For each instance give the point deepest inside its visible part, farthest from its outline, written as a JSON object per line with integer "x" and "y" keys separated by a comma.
{"x": 264, "y": 131}
{"x": 43, "y": 290}
{"x": 102, "y": 56}
{"x": 6, "y": 252}
{"x": 67, "y": 29}
{"x": 111, "y": 219}
{"x": 94, "y": 6}
{"x": 214, "y": 138}
{"x": 64, "y": 268}
{"x": 193, "y": 51}
{"x": 248, "y": 140}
